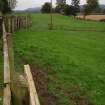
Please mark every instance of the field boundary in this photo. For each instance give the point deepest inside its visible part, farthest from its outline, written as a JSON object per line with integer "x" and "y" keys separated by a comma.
{"x": 67, "y": 28}
{"x": 14, "y": 23}
{"x": 7, "y": 94}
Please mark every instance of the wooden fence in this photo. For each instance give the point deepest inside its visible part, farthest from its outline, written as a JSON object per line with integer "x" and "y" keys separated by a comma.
{"x": 9, "y": 25}
{"x": 13, "y": 23}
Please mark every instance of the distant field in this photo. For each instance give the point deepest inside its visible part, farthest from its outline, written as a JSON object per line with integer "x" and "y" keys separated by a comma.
{"x": 94, "y": 17}
{"x": 69, "y": 65}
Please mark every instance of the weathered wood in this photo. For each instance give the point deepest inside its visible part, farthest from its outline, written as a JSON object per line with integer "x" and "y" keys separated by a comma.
{"x": 7, "y": 91}
{"x": 7, "y": 95}
{"x": 14, "y": 23}
{"x": 13, "y": 26}
{"x": 6, "y": 57}
{"x": 9, "y": 24}
{"x": 34, "y": 100}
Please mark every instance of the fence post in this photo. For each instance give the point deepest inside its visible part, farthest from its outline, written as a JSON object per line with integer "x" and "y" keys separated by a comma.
{"x": 7, "y": 90}
{"x": 34, "y": 100}
{"x": 13, "y": 26}
{"x": 9, "y": 24}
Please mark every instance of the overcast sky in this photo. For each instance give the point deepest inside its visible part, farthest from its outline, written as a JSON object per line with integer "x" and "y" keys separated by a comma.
{"x": 23, "y": 4}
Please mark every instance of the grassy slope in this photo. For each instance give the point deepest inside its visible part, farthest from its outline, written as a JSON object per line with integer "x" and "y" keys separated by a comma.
{"x": 76, "y": 58}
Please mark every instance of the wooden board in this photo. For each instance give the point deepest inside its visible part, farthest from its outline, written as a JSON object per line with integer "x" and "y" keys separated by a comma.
{"x": 7, "y": 91}
{"x": 34, "y": 100}
{"x": 7, "y": 95}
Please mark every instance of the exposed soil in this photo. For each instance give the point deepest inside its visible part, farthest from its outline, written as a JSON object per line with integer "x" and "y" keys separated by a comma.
{"x": 41, "y": 82}
{"x": 93, "y": 17}
{"x": 75, "y": 94}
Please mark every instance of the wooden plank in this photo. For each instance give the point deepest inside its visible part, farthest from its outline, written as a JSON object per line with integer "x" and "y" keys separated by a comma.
{"x": 34, "y": 100}
{"x": 7, "y": 91}
{"x": 7, "y": 95}
{"x": 6, "y": 57}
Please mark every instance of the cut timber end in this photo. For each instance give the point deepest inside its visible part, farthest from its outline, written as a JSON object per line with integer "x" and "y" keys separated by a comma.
{"x": 34, "y": 100}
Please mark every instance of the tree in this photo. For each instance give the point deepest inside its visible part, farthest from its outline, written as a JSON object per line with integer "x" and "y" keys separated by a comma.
{"x": 67, "y": 10}
{"x": 12, "y": 3}
{"x": 75, "y": 6}
{"x": 4, "y": 7}
{"x": 75, "y": 3}
{"x": 90, "y": 7}
{"x": 60, "y": 8}
{"x": 46, "y": 8}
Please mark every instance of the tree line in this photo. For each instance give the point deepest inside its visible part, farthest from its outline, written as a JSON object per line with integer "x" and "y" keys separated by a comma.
{"x": 73, "y": 8}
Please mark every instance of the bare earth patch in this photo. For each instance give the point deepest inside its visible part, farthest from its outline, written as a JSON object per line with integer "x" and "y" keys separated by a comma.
{"x": 93, "y": 17}
{"x": 75, "y": 94}
{"x": 41, "y": 82}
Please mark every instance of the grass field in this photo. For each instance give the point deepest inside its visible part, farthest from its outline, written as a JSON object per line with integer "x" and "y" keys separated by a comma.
{"x": 73, "y": 61}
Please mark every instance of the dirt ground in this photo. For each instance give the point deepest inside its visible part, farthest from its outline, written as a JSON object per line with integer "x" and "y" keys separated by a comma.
{"x": 93, "y": 17}
{"x": 41, "y": 82}
{"x": 47, "y": 98}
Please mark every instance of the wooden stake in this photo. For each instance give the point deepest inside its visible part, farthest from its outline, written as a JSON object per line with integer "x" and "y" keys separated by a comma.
{"x": 7, "y": 91}
{"x": 34, "y": 100}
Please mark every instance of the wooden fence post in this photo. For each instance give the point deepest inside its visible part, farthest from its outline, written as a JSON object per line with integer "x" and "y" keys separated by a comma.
{"x": 34, "y": 100}
{"x": 13, "y": 26}
{"x": 17, "y": 22}
{"x": 9, "y": 24}
{"x": 7, "y": 91}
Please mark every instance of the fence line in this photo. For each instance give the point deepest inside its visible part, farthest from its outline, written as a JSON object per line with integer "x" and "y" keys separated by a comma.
{"x": 79, "y": 29}
{"x": 14, "y": 23}
{"x": 11, "y": 24}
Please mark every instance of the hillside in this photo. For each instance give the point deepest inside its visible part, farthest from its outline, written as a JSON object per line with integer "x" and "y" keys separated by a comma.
{"x": 68, "y": 66}
{"x": 37, "y": 9}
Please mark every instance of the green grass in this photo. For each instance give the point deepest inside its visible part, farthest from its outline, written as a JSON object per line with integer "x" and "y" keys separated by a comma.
{"x": 76, "y": 59}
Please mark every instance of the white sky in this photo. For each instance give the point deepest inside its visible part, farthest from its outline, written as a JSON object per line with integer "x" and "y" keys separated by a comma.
{"x": 23, "y": 4}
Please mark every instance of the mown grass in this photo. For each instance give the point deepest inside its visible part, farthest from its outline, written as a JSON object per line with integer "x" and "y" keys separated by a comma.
{"x": 76, "y": 60}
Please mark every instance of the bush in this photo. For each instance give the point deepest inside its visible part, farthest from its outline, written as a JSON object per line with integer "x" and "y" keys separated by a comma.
{"x": 46, "y": 8}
